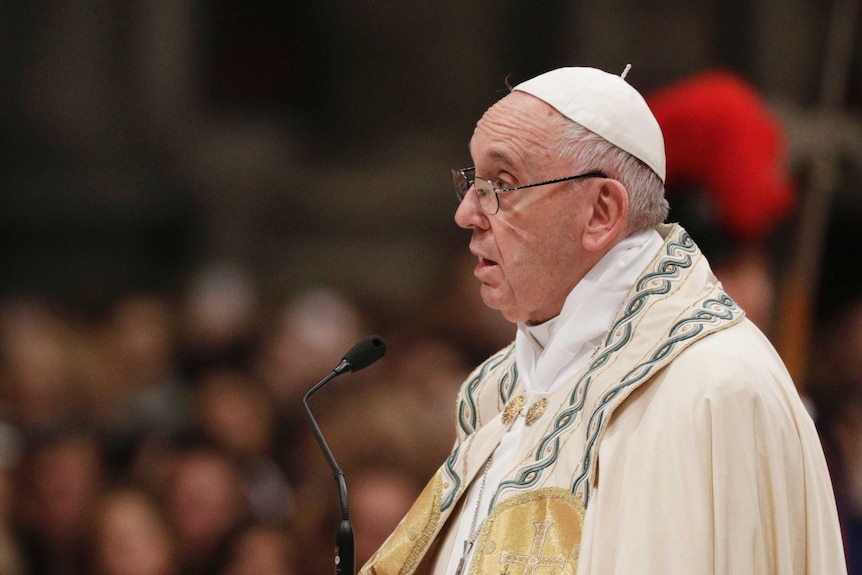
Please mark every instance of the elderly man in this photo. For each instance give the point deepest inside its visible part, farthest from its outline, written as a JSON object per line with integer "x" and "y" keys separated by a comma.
{"x": 639, "y": 424}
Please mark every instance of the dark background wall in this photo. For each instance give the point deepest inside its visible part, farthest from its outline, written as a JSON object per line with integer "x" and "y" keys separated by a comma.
{"x": 311, "y": 141}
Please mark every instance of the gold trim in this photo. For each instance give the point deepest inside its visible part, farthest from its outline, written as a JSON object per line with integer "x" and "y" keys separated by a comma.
{"x": 536, "y": 410}
{"x": 407, "y": 545}
{"x": 512, "y": 409}
{"x": 423, "y": 538}
{"x": 544, "y": 493}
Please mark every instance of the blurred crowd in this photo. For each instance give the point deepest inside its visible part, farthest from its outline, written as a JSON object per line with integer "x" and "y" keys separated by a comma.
{"x": 162, "y": 434}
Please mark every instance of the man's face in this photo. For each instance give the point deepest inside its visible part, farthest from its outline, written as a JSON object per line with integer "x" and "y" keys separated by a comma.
{"x": 530, "y": 254}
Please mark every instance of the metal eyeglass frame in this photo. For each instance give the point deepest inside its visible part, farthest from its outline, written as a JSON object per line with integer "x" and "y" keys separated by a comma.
{"x": 463, "y": 183}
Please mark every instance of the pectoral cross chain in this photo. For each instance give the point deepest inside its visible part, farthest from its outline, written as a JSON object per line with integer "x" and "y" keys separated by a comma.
{"x": 474, "y": 528}
{"x": 463, "y": 562}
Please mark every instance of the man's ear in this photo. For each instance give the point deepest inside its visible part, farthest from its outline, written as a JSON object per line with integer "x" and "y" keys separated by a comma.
{"x": 609, "y": 216}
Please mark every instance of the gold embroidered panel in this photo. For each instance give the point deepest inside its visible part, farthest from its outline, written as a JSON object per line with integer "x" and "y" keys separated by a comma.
{"x": 535, "y": 533}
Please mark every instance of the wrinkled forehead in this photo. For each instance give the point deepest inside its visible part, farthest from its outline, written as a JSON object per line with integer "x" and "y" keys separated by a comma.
{"x": 518, "y": 129}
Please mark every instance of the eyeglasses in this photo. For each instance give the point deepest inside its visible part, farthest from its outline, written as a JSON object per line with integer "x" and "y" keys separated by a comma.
{"x": 489, "y": 194}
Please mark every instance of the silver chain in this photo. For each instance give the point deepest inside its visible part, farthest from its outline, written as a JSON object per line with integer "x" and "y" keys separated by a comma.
{"x": 474, "y": 528}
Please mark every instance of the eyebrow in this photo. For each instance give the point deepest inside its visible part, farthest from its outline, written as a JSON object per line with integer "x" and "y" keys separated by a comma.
{"x": 502, "y": 157}
{"x": 497, "y": 155}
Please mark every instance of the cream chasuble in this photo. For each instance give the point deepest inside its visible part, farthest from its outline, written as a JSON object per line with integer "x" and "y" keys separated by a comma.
{"x": 679, "y": 446}
{"x": 549, "y": 355}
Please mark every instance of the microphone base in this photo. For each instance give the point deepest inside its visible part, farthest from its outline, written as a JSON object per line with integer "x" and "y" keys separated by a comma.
{"x": 345, "y": 558}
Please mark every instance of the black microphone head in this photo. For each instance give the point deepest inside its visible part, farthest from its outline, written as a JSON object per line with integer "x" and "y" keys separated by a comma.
{"x": 365, "y": 353}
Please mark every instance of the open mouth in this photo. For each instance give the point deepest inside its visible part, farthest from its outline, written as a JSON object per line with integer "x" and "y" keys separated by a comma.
{"x": 484, "y": 264}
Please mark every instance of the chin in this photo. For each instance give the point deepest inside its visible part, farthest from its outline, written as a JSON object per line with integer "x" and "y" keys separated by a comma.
{"x": 509, "y": 314}
{"x": 501, "y": 303}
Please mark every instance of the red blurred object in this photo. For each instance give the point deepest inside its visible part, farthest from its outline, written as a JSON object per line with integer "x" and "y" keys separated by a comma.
{"x": 721, "y": 137}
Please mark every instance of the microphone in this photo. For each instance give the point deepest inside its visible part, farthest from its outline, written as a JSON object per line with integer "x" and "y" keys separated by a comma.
{"x": 360, "y": 356}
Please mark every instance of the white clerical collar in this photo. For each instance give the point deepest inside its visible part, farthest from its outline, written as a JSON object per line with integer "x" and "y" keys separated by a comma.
{"x": 549, "y": 352}
{"x": 542, "y": 332}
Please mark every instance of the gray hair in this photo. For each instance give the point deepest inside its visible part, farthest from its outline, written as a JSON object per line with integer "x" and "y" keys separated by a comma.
{"x": 648, "y": 206}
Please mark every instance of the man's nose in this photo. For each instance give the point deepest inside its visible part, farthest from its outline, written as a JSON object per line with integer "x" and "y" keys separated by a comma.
{"x": 469, "y": 213}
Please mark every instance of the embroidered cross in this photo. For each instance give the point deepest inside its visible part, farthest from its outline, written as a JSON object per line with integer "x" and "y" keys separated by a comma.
{"x": 534, "y": 560}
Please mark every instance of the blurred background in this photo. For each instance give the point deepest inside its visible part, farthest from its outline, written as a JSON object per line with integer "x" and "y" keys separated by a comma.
{"x": 205, "y": 204}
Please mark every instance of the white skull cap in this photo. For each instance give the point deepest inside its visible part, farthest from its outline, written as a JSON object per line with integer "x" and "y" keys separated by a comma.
{"x": 605, "y": 104}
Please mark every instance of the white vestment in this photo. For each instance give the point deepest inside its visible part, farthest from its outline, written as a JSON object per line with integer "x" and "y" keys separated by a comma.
{"x": 680, "y": 446}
